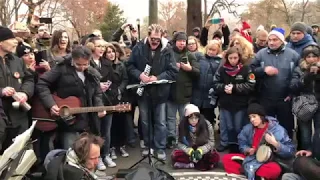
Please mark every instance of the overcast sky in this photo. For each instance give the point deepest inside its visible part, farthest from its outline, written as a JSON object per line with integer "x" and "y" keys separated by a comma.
{"x": 134, "y": 9}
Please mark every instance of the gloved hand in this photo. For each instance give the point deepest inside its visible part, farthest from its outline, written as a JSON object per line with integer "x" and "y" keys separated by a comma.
{"x": 198, "y": 154}
{"x": 190, "y": 152}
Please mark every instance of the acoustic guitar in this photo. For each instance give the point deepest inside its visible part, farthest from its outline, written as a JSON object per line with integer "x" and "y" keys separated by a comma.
{"x": 68, "y": 107}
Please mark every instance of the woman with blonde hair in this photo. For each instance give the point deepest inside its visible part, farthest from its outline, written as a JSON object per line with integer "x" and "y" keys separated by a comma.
{"x": 194, "y": 45}
{"x": 245, "y": 47}
{"x": 208, "y": 67}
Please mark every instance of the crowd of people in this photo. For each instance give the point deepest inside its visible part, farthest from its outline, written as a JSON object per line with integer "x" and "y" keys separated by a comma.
{"x": 257, "y": 83}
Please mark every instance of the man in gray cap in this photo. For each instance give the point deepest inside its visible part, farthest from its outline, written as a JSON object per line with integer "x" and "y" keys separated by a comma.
{"x": 15, "y": 81}
{"x": 299, "y": 38}
{"x": 315, "y": 31}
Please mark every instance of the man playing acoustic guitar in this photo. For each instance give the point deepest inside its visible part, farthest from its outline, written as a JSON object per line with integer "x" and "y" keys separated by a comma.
{"x": 72, "y": 77}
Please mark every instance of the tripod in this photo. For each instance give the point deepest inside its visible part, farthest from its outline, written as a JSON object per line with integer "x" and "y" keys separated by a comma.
{"x": 150, "y": 156}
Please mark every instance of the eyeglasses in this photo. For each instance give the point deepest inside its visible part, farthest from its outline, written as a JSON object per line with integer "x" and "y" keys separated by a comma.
{"x": 155, "y": 39}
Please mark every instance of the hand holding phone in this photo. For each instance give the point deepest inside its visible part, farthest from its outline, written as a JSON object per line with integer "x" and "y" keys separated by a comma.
{"x": 40, "y": 56}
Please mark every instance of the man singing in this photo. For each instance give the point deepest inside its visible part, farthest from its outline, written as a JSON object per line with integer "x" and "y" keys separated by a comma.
{"x": 72, "y": 77}
{"x": 153, "y": 51}
{"x": 17, "y": 81}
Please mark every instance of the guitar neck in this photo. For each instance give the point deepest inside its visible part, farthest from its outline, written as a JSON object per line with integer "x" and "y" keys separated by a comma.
{"x": 92, "y": 109}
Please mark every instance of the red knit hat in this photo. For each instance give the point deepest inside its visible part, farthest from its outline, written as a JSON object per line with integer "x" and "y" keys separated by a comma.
{"x": 245, "y": 25}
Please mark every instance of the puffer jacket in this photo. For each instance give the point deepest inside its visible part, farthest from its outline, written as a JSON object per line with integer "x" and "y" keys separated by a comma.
{"x": 245, "y": 140}
{"x": 201, "y": 87}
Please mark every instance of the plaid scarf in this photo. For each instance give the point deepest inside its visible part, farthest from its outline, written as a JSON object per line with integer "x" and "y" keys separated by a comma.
{"x": 232, "y": 70}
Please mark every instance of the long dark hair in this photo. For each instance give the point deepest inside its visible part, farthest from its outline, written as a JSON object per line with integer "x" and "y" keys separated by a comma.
{"x": 202, "y": 132}
{"x": 56, "y": 36}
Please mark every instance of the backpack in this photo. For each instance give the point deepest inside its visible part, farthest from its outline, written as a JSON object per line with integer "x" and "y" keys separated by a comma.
{"x": 304, "y": 107}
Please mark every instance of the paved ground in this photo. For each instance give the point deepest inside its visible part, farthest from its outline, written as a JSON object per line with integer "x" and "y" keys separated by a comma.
{"x": 135, "y": 155}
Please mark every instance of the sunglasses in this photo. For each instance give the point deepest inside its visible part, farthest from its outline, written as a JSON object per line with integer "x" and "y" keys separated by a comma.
{"x": 155, "y": 39}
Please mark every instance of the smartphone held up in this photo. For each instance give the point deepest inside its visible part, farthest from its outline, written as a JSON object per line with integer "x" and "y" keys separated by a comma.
{"x": 217, "y": 20}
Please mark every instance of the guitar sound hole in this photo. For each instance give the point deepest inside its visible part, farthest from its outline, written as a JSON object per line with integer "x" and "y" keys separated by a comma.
{"x": 64, "y": 112}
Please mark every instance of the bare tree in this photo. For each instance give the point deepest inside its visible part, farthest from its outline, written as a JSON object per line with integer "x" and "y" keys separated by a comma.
{"x": 221, "y": 5}
{"x": 84, "y": 15}
{"x": 172, "y": 15}
{"x": 8, "y": 10}
{"x": 32, "y": 7}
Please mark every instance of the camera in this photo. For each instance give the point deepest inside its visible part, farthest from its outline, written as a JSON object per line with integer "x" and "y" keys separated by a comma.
{"x": 131, "y": 27}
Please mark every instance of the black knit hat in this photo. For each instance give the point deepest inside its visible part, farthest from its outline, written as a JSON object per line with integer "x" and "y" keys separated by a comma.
{"x": 256, "y": 108}
{"x": 23, "y": 48}
{"x": 180, "y": 36}
{"x": 299, "y": 26}
{"x": 217, "y": 34}
{"x": 5, "y": 34}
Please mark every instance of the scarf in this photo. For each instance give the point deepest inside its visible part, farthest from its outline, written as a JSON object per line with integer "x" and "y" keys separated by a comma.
{"x": 73, "y": 160}
{"x": 153, "y": 58}
{"x": 232, "y": 70}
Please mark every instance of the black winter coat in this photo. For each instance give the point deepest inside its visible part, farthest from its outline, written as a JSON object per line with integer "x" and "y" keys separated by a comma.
{"x": 117, "y": 74}
{"x": 305, "y": 82}
{"x": 64, "y": 81}
{"x": 243, "y": 86}
{"x": 15, "y": 74}
{"x": 167, "y": 67}
{"x": 181, "y": 91}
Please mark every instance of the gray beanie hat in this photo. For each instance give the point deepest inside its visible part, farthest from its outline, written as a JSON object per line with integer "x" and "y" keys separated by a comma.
{"x": 309, "y": 30}
{"x": 299, "y": 26}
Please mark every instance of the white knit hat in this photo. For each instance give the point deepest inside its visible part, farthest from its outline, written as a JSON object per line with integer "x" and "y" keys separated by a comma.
{"x": 279, "y": 32}
{"x": 190, "y": 109}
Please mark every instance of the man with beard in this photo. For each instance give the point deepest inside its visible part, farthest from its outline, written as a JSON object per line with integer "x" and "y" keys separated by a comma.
{"x": 181, "y": 91}
{"x": 43, "y": 39}
{"x": 155, "y": 52}
{"x": 273, "y": 67}
{"x": 16, "y": 84}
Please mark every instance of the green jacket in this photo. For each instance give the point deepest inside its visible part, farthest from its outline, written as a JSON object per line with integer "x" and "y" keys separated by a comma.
{"x": 181, "y": 91}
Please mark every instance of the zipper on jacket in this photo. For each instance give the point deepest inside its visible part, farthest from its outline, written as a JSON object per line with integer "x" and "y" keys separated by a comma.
{"x": 313, "y": 85}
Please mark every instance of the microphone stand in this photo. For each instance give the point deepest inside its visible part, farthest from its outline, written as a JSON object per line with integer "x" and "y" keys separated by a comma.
{"x": 149, "y": 156}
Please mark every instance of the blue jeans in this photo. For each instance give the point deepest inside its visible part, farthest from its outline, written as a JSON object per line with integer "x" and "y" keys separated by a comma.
{"x": 106, "y": 123}
{"x": 305, "y": 129}
{"x": 131, "y": 136}
{"x": 67, "y": 139}
{"x": 156, "y": 115}
{"x": 172, "y": 109}
{"x": 231, "y": 124}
